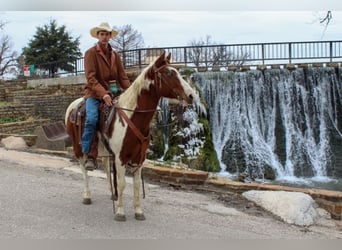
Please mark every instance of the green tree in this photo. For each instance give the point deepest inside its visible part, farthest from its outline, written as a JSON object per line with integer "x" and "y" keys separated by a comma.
{"x": 52, "y": 48}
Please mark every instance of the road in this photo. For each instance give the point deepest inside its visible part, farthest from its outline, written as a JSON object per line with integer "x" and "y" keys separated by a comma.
{"x": 40, "y": 198}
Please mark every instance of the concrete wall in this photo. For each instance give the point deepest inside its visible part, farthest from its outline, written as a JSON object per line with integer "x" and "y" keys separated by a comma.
{"x": 50, "y": 82}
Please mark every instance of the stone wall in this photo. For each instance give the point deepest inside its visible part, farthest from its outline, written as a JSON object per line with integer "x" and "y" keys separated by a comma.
{"x": 50, "y": 107}
{"x": 49, "y": 103}
{"x": 25, "y": 127}
{"x": 35, "y": 106}
{"x": 173, "y": 175}
{"x": 17, "y": 110}
{"x": 6, "y": 88}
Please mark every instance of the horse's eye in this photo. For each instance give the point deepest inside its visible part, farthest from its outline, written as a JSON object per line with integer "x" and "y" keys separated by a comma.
{"x": 169, "y": 73}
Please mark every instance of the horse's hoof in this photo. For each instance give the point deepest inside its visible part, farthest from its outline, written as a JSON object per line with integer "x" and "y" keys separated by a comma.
{"x": 139, "y": 216}
{"x": 114, "y": 197}
{"x": 86, "y": 201}
{"x": 120, "y": 217}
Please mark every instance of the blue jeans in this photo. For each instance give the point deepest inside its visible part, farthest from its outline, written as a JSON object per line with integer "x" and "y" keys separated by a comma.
{"x": 92, "y": 115}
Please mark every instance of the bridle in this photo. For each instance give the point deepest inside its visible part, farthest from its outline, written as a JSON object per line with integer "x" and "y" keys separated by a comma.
{"x": 158, "y": 80}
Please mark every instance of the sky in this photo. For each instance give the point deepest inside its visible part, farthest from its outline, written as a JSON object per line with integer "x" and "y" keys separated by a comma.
{"x": 165, "y": 26}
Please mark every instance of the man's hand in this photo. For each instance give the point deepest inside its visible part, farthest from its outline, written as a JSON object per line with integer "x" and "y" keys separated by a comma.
{"x": 108, "y": 100}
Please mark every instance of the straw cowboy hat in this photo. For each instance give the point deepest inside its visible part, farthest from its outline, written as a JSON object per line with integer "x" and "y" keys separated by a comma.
{"x": 103, "y": 27}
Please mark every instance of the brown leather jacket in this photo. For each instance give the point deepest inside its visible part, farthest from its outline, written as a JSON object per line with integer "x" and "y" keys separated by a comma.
{"x": 99, "y": 71}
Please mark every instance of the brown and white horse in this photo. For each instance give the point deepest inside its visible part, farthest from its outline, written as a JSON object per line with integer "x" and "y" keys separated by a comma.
{"x": 139, "y": 103}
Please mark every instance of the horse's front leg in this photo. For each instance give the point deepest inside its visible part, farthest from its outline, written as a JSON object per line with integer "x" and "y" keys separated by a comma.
{"x": 86, "y": 191}
{"x": 121, "y": 170}
{"x": 107, "y": 168}
{"x": 139, "y": 215}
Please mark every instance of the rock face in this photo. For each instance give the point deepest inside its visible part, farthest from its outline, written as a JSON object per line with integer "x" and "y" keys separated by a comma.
{"x": 13, "y": 142}
{"x": 293, "y": 207}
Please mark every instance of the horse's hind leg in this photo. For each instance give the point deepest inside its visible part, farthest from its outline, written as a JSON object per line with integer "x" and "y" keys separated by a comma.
{"x": 86, "y": 192}
{"x": 139, "y": 215}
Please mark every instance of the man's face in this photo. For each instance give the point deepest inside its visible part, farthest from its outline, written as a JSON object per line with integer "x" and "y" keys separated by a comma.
{"x": 103, "y": 36}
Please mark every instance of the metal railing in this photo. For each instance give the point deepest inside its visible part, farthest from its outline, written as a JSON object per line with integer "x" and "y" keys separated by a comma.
{"x": 227, "y": 55}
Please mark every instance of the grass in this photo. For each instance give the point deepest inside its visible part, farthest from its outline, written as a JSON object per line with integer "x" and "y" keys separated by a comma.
{"x": 3, "y": 104}
{"x": 4, "y": 120}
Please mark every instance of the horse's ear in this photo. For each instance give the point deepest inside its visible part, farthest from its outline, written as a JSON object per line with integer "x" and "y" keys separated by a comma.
{"x": 160, "y": 61}
{"x": 168, "y": 58}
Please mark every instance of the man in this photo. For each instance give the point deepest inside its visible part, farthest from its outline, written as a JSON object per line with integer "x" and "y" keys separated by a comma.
{"x": 102, "y": 65}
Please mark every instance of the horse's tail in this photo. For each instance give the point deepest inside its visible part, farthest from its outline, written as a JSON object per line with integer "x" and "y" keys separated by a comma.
{"x": 73, "y": 129}
{"x": 72, "y": 106}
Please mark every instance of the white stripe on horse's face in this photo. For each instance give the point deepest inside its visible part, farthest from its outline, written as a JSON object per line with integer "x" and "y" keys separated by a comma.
{"x": 189, "y": 93}
{"x": 188, "y": 90}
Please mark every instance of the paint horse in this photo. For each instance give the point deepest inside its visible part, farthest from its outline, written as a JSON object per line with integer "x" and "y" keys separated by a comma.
{"x": 130, "y": 134}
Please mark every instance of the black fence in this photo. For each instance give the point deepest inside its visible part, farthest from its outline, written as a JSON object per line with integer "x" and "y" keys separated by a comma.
{"x": 223, "y": 55}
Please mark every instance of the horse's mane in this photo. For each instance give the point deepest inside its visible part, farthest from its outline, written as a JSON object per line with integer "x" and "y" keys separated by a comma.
{"x": 129, "y": 98}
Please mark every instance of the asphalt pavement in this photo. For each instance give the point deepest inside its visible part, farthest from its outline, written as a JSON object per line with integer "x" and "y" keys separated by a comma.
{"x": 41, "y": 198}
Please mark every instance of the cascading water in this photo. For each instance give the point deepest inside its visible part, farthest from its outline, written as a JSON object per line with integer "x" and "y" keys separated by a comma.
{"x": 163, "y": 119}
{"x": 276, "y": 119}
{"x": 191, "y": 143}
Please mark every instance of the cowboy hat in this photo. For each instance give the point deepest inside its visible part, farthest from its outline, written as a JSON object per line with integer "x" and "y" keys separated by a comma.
{"x": 103, "y": 27}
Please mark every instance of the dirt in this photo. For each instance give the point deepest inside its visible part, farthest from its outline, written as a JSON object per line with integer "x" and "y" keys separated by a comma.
{"x": 229, "y": 199}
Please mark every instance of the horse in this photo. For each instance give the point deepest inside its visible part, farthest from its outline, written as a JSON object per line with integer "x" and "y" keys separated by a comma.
{"x": 129, "y": 137}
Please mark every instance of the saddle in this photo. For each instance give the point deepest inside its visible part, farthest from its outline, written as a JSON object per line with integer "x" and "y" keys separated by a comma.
{"x": 106, "y": 128}
{"x": 106, "y": 115}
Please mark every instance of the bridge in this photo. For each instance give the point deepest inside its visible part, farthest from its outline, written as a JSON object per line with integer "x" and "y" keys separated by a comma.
{"x": 223, "y": 57}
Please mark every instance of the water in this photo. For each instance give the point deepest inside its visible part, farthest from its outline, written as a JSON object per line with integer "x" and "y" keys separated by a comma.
{"x": 288, "y": 121}
{"x": 163, "y": 119}
{"x": 315, "y": 182}
{"x": 329, "y": 184}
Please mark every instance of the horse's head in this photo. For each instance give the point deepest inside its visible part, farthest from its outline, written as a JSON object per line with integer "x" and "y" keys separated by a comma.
{"x": 168, "y": 81}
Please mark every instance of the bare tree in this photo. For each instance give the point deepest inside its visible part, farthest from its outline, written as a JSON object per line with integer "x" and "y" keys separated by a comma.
{"x": 205, "y": 53}
{"x": 327, "y": 18}
{"x": 8, "y": 57}
{"x": 127, "y": 39}
{"x": 201, "y": 52}
{"x": 324, "y": 19}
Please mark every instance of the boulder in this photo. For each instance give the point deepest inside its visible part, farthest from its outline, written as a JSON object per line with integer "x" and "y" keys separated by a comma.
{"x": 293, "y": 207}
{"x": 13, "y": 142}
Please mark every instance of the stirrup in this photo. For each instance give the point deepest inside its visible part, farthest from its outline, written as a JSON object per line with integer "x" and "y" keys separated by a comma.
{"x": 90, "y": 164}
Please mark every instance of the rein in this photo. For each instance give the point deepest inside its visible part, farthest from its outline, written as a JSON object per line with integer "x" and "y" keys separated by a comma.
{"x": 144, "y": 140}
{"x": 147, "y": 111}
{"x": 138, "y": 111}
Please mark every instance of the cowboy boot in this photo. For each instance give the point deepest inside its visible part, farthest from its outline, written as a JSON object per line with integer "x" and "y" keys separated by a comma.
{"x": 90, "y": 159}
{"x": 89, "y": 163}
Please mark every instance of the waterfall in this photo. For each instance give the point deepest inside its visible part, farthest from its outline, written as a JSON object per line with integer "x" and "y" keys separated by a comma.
{"x": 163, "y": 119}
{"x": 276, "y": 119}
